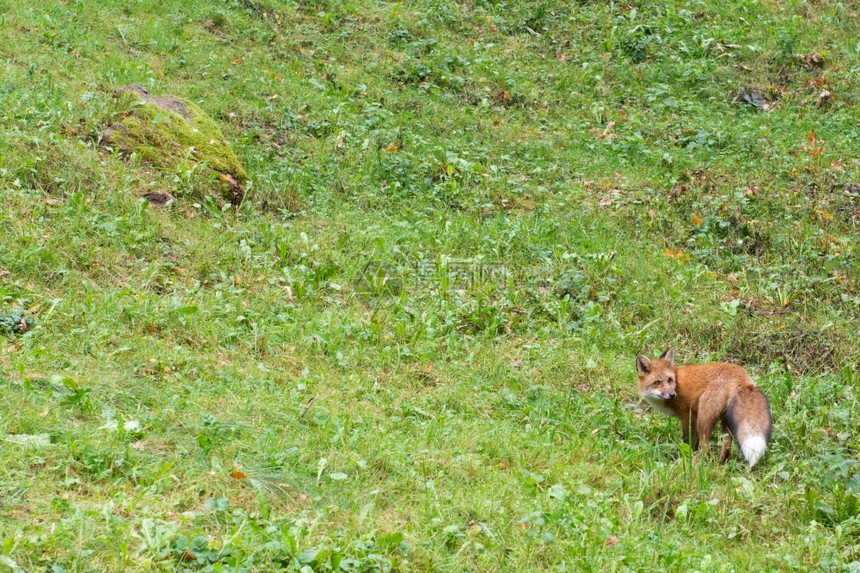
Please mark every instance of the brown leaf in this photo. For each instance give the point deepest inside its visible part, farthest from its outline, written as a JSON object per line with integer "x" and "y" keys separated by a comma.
{"x": 236, "y": 474}
{"x": 609, "y": 127}
{"x": 612, "y": 541}
{"x": 678, "y": 255}
{"x": 697, "y": 221}
{"x": 822, "y": 214}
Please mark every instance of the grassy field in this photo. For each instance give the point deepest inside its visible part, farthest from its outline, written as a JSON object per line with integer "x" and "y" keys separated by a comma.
{"x": 412, "y": 346}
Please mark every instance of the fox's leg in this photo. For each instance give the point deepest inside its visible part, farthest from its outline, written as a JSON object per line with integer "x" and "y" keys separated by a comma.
{"x": 727, "y": 441}
{"x": 727, "y": 446}
{"x": 710, "y": 411}
{"x": 688, "y": 429}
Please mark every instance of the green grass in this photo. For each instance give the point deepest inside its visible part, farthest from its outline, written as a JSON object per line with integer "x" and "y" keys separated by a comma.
{"x": 309, "y": 381}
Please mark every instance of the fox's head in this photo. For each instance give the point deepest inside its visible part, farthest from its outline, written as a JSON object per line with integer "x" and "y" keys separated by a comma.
{"x": 657, "y": 380}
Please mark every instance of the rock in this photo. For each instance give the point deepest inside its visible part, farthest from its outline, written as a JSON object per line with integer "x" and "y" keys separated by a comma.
{"x": 166, "y": 131}
{"x": 173, "y": 104}
{"x": 159, "y": 198}
{"x": 753, "y": 98}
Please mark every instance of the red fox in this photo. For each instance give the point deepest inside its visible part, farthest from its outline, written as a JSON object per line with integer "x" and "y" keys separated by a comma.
{"x": 702, "y": 394}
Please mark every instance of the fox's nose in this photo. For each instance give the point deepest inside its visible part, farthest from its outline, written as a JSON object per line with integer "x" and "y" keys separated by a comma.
{"x": 672, "y": 394}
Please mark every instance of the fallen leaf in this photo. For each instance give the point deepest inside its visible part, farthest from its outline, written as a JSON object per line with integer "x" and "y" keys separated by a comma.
{"x": 612, "y": 541}
{"x": 237, "y": 475}
{"x": 609, "y": 127}
{"x": 697, "y": 221}
{"x": 678, "y": 255}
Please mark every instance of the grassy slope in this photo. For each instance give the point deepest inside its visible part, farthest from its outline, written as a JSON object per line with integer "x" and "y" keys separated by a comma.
{"x": 428, "y": 425}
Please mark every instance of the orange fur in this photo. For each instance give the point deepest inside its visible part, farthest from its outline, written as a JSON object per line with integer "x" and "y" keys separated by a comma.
{"x": 700, "y": 395}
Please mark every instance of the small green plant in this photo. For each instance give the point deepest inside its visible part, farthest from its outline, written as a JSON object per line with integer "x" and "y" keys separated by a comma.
{"x": 75, "y": 396}
{"x": 15, "y": 323}
{"x": 214, "y": 434}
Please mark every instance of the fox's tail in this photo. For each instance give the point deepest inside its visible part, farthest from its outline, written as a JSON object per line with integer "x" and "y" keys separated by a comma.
{"x": 748, "y": 415}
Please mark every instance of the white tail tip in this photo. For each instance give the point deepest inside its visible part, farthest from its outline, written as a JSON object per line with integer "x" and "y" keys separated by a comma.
{"x": 753, "y": 448}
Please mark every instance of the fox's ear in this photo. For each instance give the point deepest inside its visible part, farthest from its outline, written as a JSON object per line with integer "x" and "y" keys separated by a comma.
{"x": 643, "y": 365}
{"x": 668, "y": 356}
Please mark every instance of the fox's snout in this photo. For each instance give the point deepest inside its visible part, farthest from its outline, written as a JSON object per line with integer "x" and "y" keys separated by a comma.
{"x": 659, "y": 395}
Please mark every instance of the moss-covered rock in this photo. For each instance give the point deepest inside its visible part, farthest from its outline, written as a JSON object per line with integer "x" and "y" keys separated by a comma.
{"x": 167, "y": 131}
